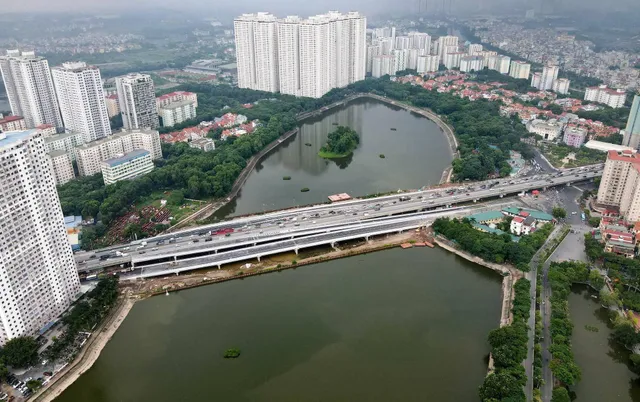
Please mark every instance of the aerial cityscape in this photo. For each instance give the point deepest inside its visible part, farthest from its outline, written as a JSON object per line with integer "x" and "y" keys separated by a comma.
{"x": 399, "y": 201}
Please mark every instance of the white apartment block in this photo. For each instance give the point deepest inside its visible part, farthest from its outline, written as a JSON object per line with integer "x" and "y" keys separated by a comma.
{"x": 614, "y": 98}
{"x": 113, "y": 108}
{"x": 316, "y": 54}
{"x": 402, "y": 42}
{"x": 546, "y": 78}
{"x": 547, "y": 129}
{"x": 178, "y": 96}
{"x": 445, "y": 41}
{"x": 452, "y": 60}
{"x": 620, "y": 184}
{"x": 420, "y": 41}
{"x": 401, "y": 59}
{"x": 383, "y": 65}
{"x": 65, "y": 142}
{"x": 12, "y": 123}
{"x": 520, "y": 69}
{"x": 486, "y": 54}
{"x": 256, "y": 37}
{"x": 177, "y": 112}
{"x": 81, "y": 99}
{"x": 561, "y": 86}
{"x": 536, "y": 80}
{"x": 38, "y": 274}
{"x": 428, "y": 64}
{"x": 127, "y": 166}
{"x": 498, "y": 63}
{"x": 372, "y": 51}
{"x": 27, "y": 80}
{"x": 90, "y": 156}
{"x": 137, "y": 101}
{"x": 61, "y": 167}
{"x": 474, "y": 49}
{"x": 471, "y": 63}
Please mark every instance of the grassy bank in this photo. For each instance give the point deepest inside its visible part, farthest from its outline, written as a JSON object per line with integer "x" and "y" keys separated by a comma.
{"x": 332, "y": 155}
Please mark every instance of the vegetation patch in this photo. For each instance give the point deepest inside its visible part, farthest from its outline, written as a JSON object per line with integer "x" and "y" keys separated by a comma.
{"x": 382, "y": 156}
{"x": 304, "y": 190}
{"x": 591, "y": 328}
{"x": 490, "y": 246}
{"x": 286, "y": 178}
{"x": 232, "y": 353}
{"x": 509, "y": 349}
{"x": 308, "y": 144}
{"x": 340, "y": 143}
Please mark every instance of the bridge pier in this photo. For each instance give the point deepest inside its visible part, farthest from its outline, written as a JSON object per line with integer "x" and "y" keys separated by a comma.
{"x": 215, "y": 251}
{"x": 254, "y": 244}
{"x": 177, "y": 273}
{"x": 218, "y": 266}
{"x": 366, "y": 237}
{"x": 296, "y": 250}
{"x": 258, "y": 258}
{"x": 175, "y": 258}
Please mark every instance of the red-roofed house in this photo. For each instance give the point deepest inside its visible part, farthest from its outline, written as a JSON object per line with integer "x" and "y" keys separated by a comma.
{"x": 12, "y": 123}
{"x": 523, "y": 224}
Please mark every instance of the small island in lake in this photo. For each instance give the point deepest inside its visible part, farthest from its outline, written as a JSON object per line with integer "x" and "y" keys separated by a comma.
{"x": 232, "y": 353}
{"x": 340, "y": 144}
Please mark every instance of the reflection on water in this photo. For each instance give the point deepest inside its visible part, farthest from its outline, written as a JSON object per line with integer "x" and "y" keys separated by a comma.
{"x": 396, "y": 325}
{"x": 604, "y": 364}
{"x": 415, "y": 155}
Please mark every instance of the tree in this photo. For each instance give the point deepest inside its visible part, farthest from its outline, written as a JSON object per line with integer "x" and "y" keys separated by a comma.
{"x": 595, "y": 279}
{"x": 176, "y": 197}
{"x": 560, "y": 394}
{"x": 559, "y": 213}
{"x": 132, "y": 230}
{"x": 625, "y": 334}
{"x": 20, "y": 352}
{"x": 34, "y": 385}
{"x": 500, "y": 385}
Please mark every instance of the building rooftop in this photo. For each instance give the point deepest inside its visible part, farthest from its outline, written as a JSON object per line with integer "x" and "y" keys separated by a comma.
{"x": 623, "y": 156}
{"x": 135, "y": 154}
{"x": 172, "y": 94}
{"x": 178, "y": 104}
{"x": 56, "y": 153}
{"x": 60, "y": 136}
{"x": 486, "y": 216}
{"x": 13, "y": 137}
{"x": 494, "y": 231}
{"x": 605, "y": 146}
{"x": 9, "y": 119}
{"x": 113, "y": 136}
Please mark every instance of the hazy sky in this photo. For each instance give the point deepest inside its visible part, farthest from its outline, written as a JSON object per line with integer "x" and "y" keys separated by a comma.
{"x": 302, "y": 7}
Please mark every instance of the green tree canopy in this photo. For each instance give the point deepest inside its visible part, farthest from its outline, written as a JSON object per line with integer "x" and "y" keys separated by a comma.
{"x": 20, "y": 352}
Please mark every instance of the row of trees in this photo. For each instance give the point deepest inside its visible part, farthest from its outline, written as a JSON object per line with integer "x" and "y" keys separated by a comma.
{"x": 509, "y": 349}
{"x": 493, "y": 247}
{"x": 561, "y": 276}
{"x": 83, "y": 317}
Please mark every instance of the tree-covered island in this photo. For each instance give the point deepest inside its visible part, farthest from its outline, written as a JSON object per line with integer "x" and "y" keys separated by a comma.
{"x": 340, "y": 144}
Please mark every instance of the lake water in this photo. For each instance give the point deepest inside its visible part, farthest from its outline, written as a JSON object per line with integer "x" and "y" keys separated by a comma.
{"x": 415, "y": 155}
{"x": 605, "y": 375}
{"x": 397, "y": 325}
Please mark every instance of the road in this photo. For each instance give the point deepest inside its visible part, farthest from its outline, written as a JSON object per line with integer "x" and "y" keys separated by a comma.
{"x": 571, "y": 248}
{"x": 321, "y": 218}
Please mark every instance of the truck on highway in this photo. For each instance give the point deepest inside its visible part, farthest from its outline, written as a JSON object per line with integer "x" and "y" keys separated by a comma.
{"x": 404, "y": 198}
{"x": 220, "y": 232}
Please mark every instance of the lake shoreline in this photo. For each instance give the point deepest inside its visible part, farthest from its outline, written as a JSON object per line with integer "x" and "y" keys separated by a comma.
{"x": 209, "y": 209}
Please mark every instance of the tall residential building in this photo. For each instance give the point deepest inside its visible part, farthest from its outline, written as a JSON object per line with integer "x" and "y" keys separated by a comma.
{"x": 536, "y": 80}
{"x": 614, "y": 98}
{"x": 471, "y": 63}
{"x": 445, "y": 41}
{"x": 402, "y": 42}
{"x": 474, "y": 49}
{"x": 81, "y": 99}
{"x": 452, "y": 60}
{"x": 39, "y": 278}
{"x": 257, "y": 51}
{"x": 127, "y": 166}
{"x": 137, "y": 101}
{"x": 519, "y": 69}
{"x": 12, "y": 123}
{"x": 383, "y": 65}
{"x": 27, "y": 80}
{"x": 61, "y": 167}
{"x": 372, "y": 51}
{"x": 320, "y": 53}
{"x": 548, "y": 75}
{"x": 620, "y": 184}
{"x": 428, "y": 64}
{"x": 561, "y": 86}
{"x": 632, "y": 131}
{"x": 498, "y": 63}
{"x": 113, "y": 108}
{"x": 91, "y": 155}
{"x": 420, "y": 41}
